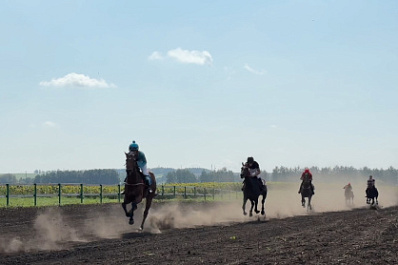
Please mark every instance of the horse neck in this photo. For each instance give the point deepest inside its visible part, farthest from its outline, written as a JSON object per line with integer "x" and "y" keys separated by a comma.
{"x": 306, "y": 182}
{"x": 134, "y": 175}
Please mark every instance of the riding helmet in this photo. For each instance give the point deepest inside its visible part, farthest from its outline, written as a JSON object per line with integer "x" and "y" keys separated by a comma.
{"x": 133, "y": 146}
{"x": 250, "y": 159}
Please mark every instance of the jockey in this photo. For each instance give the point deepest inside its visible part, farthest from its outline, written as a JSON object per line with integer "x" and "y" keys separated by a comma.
{"x": 141, "y": 162}
{"x": 304, "y": 175}
{"x": 348, "y": 187}
{"x": 255, "y": 171}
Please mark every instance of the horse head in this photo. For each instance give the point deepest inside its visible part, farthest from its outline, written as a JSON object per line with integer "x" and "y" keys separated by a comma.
{"x": 244, "y": 171}
{"x": 132, "y": 168}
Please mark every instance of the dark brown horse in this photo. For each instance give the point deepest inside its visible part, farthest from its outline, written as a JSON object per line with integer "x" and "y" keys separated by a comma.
{"x": 371, "y": 196}
{"x": 252, "y": 191}
{"x": 136, "y": 190}
{"x": 349, "y": 195}
{"x": 306, "y": 192}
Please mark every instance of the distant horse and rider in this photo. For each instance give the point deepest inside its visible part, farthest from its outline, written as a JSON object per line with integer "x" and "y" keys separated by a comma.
{"x": 372, "y": 193}
{"x": 306, "y": 188}
{"x": 348, "y": 194}
{"x": 253, "y": 187}
{"x": 137, "y": 185}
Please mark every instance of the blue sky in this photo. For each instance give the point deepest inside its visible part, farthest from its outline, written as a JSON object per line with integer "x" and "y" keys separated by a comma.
{"x": 198, "y": 84}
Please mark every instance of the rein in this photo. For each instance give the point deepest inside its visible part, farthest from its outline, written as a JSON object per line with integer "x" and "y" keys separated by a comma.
{"x": 136, "y": 184}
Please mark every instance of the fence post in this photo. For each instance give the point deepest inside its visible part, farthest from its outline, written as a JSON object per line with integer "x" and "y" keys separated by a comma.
{"x": 194, "y": 192}
{"x": 185, "y": 192}
{"x": 81, "y": 193}
{"x": 59, "y": 194}
{"x": 214, "y": 192}
{"x": 162, "y": 191}
{"x": 8, "y": 194}
{"x": 118, "y": 191}
{"x": 101, "y": 193}
{"x": 205, "y": 194}
{"x": 35, "y": 194}
{"x": 174, "y": 191}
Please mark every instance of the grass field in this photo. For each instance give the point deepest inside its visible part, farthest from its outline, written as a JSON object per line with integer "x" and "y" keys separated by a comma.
{"x": 55, "y": 194}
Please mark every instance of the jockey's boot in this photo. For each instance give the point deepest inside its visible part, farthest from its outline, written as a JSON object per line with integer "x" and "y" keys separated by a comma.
{"x": 149, "y": 183}
{"x": 261, "y": 184}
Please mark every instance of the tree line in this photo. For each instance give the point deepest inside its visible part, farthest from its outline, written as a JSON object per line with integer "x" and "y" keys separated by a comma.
{"x": 111, "y": 176}
{"x": 187, "y": 176}
{"x": 95, "y": 176}
{"x": 337, "y": 173}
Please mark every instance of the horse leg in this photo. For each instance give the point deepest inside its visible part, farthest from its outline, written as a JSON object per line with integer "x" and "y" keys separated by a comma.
{"x": 244, "y": 206}
{"x": 147, "y": 206}
{"x": 309, "y": 202}
{"x": 302, "y": 201}
{"x": 262, "y": 205}
{"x": 251, "y": 208}
{"x": 256, "y": 206}
{"x": 134, "y": 206}
{"x": 125, "y": 209}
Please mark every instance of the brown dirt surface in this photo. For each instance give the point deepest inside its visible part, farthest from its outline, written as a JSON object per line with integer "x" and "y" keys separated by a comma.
{"x": 203, "y": 233}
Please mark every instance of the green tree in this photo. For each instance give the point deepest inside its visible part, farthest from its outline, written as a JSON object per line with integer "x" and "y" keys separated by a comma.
{"x": 8, "y": 179}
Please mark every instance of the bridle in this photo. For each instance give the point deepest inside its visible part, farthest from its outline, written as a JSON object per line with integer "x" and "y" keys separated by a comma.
{"x": 130, "y": 170}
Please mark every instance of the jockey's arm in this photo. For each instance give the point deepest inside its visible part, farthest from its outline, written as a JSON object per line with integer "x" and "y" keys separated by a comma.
{"x": 256, "y": 172}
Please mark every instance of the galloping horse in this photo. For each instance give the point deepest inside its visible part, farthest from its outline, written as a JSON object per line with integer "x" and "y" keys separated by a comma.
{"x": 349, "y": 196}
{"x": 135, "y": 189}
{"x": 371, "y": 196}
{"x": 306, "y": 191}
{"x": 252, "y": 191}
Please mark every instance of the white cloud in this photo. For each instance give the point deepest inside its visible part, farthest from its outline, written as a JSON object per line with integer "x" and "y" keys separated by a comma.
{"x": 155, "y": 56}
{"x": 77, "y": 80}
{"x": 49, "y": 124}
{"x": 184, "y": 56}
{"x": 251, "y": 70}
{"x": 195, "y": 57}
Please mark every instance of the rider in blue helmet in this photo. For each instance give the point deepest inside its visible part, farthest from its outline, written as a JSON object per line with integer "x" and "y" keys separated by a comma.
{"x": 141, "y": 161}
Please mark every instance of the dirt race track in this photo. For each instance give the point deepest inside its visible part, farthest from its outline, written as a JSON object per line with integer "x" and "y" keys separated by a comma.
{"x": 207, "y": 233}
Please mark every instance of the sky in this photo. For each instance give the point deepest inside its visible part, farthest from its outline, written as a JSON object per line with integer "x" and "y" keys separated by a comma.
{"x": 198, "y": 83}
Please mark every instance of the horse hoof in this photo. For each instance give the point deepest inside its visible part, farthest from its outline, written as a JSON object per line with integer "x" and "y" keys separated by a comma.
{"x": 257, "y": 212}
{"x": 131, "y": 222}
{"x": 244, "y": 213}
{"x": 262, "y": 212}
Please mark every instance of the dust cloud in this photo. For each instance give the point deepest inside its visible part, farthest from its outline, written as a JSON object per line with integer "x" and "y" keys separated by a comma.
{"x": 56, "y": 229}
{"x": 282, "y": 201}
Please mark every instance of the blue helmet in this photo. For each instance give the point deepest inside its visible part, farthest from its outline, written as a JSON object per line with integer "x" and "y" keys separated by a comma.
{"x": 133, "y": 146}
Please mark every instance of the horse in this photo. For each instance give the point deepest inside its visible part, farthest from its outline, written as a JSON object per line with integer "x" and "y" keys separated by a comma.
{"x": 306, "y": 192}
{"x": 371, "y": 196}
{"x": 135, "y": 189}
{"x": 349, "y": 196}
{"x": 252, "y": 191}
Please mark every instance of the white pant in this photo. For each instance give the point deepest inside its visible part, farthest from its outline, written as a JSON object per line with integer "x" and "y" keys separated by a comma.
{"x": 253, "y": 173}
{"x": 144, "y": 170}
